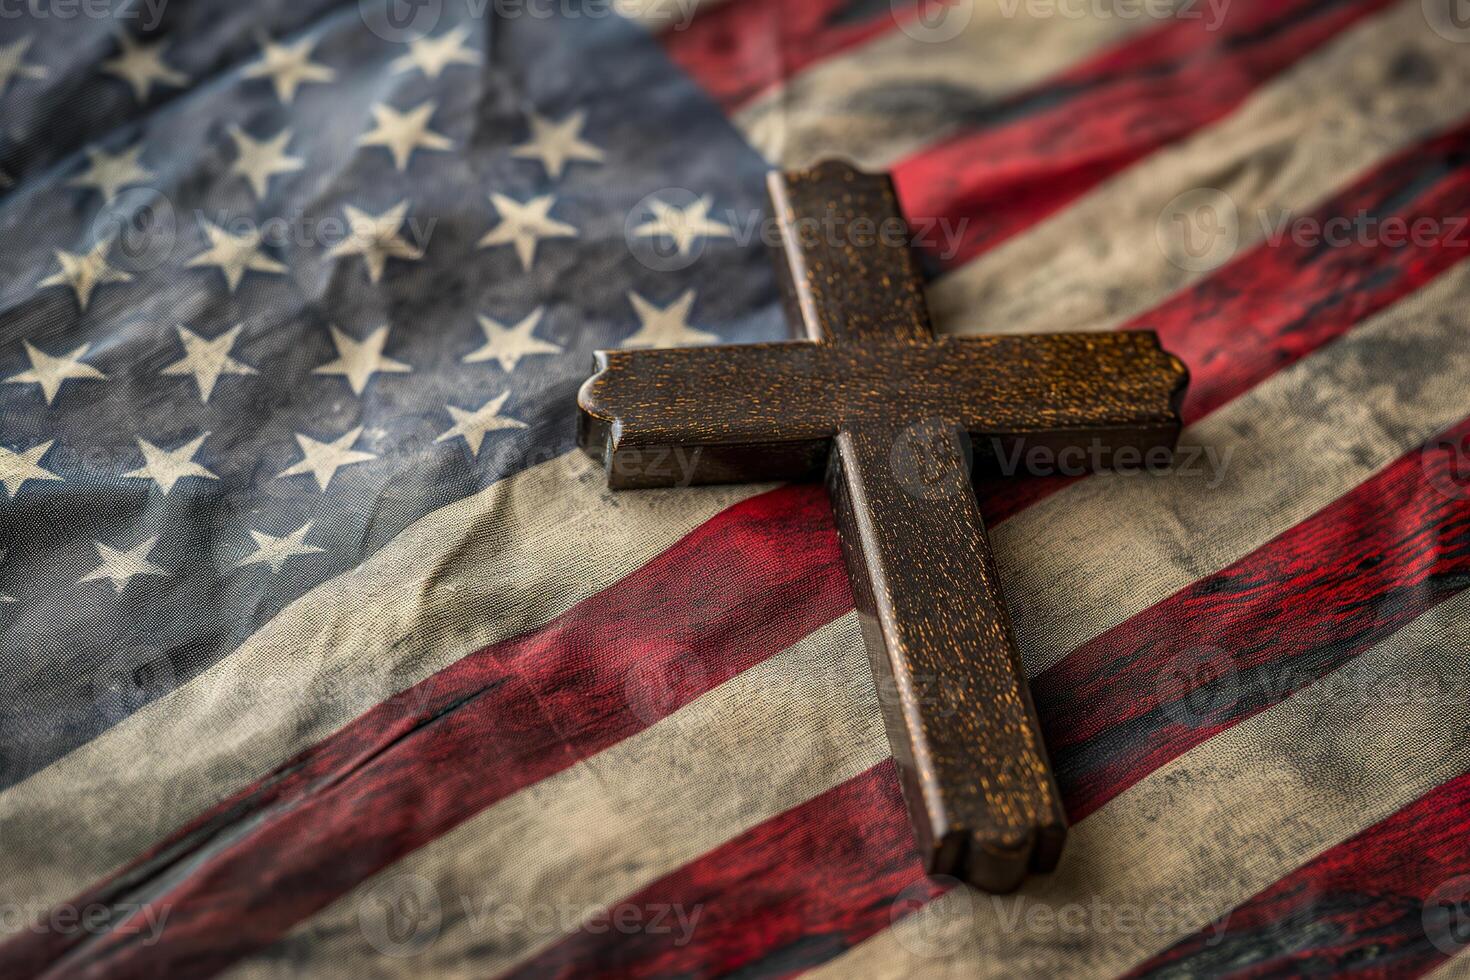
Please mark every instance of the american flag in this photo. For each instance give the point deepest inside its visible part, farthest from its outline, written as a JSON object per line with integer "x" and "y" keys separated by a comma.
{"x": 326, "y": 653}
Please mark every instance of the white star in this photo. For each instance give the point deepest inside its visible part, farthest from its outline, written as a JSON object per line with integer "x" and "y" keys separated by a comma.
{"x": 359, "y": 360}
{"x": 206, "y": 360}
{"x": 110, "y": 173}
{"x": 683, "y": 225}
{"x": 140, "y": 65}
{"x": 323, "y": 459}
{"x": 260, "y": 160}
{"x": 472, "y": 426}
{"x": 52, "y": 372}
{"x": 121, "y": 567}
{"x": 274, "y": 551}
{"x": 557, "y": 143}
{"x": 666, "y": 326}
{"x": 376, "y": 239}
{"x": 509, "y": 344}
{"x": 523, "y": 225}
{"x": 17, "y": 468}
{"x": 432, "y": 55}
{"x": 13, "y": 65}
{"x": 85, "y": 271}
{"x": 288, "y": 66}
{"x": 234, "y": 255}
{"x": 167, "y": 467}
{"x": 404, "y": 132}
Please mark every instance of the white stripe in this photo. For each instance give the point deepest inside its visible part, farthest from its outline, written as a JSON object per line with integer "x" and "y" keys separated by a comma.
{"x": 1330, "y": 118}
{"x": 1113, "y": 534}
{"x": 1214, "y": 826}
{"x": 615, "y": 822}
{"x": 897, "y": 93}
{"x": 498, "y": 564}
{"x": 1457, "y": 967}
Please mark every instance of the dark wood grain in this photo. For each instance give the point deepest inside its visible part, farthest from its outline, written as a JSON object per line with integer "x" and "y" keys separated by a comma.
{"x": 894, "y": 417}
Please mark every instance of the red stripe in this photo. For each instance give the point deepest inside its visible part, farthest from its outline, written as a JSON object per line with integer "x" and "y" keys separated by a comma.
{"x": 1039, "y": 150}
{"x": 774, "y": 883}
{"x": 788, "y": 895}
{"x": 1390, "y": 902}
{"x": 741, "y": 49}
{"x": 1236, "y": 642}
{"x": 746, "y": 584}
{"x": 1278, "y": 303}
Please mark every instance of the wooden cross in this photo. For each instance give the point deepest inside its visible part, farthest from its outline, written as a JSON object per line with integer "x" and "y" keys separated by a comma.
{"x": 886, "y": 410}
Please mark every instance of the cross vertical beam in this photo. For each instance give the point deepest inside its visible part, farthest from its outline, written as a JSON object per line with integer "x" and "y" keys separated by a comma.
{"x": 956, "y": 706}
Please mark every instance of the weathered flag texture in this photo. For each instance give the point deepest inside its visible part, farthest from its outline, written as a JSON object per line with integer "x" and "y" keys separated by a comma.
{"x": 325, "y": 653}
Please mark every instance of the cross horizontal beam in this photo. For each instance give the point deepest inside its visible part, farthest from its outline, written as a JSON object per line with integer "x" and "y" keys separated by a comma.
{"x": 768, "y": 411}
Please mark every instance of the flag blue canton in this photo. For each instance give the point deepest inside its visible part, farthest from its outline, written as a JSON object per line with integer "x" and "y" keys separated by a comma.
{"x": 224, "y": 384}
